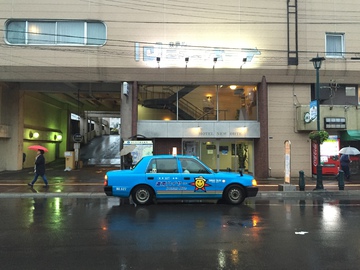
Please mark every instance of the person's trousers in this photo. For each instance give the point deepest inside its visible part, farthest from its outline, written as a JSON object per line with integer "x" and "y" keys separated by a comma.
{"x": 346, "y": 170}
{"x": 36, "y": 177}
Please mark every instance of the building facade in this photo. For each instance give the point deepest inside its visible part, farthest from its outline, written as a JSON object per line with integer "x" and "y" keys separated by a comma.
{"x": 228, "y": 82}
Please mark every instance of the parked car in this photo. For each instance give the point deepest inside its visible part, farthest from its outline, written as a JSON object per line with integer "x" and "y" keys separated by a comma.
{"x": 178, "y": 177}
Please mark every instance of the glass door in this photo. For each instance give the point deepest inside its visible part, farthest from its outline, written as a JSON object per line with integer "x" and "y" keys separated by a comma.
{"x": 222, "y": 155}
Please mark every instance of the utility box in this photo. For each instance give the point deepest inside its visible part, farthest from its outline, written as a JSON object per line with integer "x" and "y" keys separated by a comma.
{"x": 69, "y": 160}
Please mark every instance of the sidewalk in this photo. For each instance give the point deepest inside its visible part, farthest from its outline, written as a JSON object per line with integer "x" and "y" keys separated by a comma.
{"x": 88, "y": 182}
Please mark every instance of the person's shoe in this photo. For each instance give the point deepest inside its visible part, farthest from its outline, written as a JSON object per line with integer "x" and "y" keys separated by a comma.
{"x": 30, "y": 185}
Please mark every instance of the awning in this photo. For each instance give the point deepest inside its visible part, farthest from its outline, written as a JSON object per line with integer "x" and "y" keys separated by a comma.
{"x": 350, "y": 135}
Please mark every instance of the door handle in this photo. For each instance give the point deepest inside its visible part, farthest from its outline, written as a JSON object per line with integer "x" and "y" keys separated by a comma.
{"x": 151, "y": 178}
{"x": 186, "y": 178}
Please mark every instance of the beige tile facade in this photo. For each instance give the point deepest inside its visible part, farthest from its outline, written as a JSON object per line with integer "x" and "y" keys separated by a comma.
{"x": 232, "y": 26}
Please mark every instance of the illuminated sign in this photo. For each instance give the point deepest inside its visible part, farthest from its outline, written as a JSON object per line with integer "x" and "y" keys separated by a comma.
{"x": 173, "y": 52}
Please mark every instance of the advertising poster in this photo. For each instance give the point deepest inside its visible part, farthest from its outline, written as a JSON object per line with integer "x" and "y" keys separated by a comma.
{"x": 287, "y": 149}
{"x": 329, "y": 151}
{"x": 313, "y": 110}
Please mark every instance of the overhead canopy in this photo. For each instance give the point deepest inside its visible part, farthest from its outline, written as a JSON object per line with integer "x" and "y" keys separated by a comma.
{"x": 350, "y": 135}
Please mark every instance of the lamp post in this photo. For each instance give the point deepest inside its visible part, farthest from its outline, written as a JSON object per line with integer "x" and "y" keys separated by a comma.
{"x": 317, "y": 61}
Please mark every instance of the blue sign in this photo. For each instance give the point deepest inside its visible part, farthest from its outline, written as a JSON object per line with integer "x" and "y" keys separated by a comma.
{"x": 313, "y": 110}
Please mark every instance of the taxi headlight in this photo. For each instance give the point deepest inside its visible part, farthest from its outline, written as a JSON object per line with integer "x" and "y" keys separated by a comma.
{"x": 254, "y": 182}
{"x": 105, "y": 180}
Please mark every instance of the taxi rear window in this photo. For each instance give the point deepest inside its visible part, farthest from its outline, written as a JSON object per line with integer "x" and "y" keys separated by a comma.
{"x": 160, "y": 165}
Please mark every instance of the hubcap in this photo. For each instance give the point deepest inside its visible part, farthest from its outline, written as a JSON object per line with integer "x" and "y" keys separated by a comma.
{"x": 234, "y": 194}
{"x": 142, "y": 195}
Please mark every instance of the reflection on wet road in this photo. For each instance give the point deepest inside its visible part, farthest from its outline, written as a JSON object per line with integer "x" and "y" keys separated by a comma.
{"x": 103, "y": 150}
{"x": 71, "y": 233}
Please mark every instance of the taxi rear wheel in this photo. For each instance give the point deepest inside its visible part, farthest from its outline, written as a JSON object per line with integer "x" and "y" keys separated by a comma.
{"x": 234, "y": 194}
{"x": 142, "y": 195}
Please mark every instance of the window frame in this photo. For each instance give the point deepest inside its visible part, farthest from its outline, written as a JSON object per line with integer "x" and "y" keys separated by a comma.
{"x": 330, "y": 54}
{"x": 85, "y": 38}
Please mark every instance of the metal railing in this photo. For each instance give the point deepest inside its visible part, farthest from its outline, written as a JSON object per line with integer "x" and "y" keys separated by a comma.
{"x": 186, "y": 108}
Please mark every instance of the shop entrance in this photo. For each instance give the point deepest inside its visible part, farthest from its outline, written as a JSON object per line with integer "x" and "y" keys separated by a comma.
{"x": 222, "y": 154}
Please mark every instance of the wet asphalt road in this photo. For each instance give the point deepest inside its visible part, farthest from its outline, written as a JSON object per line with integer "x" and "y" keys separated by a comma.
{"x": 79, "y": 233}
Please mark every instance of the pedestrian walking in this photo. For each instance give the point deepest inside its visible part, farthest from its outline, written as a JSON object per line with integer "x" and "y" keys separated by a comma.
{"x": 39, "y": 169}
{"x": 128, "y": 161}
{"x": 344, "y": 164}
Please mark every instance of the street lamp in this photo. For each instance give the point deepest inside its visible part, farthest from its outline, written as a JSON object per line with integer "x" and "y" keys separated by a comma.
{"x": 317, "y": 61}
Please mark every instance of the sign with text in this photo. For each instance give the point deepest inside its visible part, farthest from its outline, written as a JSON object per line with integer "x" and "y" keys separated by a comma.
{"x": 287, "y": 150}
{"x": 140, "y": 149}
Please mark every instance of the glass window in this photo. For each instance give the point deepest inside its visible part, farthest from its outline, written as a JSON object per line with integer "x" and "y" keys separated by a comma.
{"x": 15, "y": 32}
{"x": 162, "y": 166}
{"x": 192, "y": 166}
{"x": 69, "y": 33}
{"x": 96, "y": 33}
{"x": 198, "y": 102}
{"x": 41, "y": 33}
{"x": 334, "y": 45}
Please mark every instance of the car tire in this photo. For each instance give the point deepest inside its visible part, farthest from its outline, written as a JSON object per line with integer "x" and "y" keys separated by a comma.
{"x": 234, "y": 194}
{"x": 142, "y": 195}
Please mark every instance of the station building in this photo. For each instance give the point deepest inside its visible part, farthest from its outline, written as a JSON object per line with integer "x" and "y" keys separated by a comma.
{"x": 228, "y": 82}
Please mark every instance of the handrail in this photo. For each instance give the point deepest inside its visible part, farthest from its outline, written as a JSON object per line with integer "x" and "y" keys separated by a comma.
{"x": 184, "y": 104}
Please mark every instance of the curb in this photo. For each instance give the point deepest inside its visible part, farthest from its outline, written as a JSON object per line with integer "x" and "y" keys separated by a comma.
{"x": 54, "y": 195}
{"x": 308, "y": 194}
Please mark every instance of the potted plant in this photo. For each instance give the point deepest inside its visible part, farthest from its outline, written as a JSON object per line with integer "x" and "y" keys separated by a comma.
{"x": 319, "y": 136}
{"x": 242, "y": 155}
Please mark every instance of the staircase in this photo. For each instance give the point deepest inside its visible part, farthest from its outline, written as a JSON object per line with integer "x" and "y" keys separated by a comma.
{"x": 166, "y": 99}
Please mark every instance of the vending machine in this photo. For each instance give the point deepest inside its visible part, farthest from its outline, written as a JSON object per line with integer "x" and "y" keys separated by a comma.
{"x": 329, "y": 156}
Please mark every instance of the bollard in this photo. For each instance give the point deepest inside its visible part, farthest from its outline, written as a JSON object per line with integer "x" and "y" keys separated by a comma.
{"x": 301, "y": 181}
{"x": 340, "y": 179}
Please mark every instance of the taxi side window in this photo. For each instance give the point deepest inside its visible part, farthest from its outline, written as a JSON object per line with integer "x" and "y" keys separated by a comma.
{"x": 192, "y": 166}
{"x": 162, "y": 166}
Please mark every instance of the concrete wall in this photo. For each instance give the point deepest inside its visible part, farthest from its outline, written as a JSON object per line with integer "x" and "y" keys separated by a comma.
{"x": 281, "y": 128}
{"x": 234, "y": 24}
{"x": 43, "y": 116}
{"x": 11, "y": 116}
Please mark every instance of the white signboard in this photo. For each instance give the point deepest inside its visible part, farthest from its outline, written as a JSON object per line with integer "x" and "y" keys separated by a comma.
{"x": 142, "y": 148}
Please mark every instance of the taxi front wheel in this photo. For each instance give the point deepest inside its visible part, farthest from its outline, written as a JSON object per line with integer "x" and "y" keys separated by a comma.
{"x": 234, "y": 194}
{"x": 142, "y": 195}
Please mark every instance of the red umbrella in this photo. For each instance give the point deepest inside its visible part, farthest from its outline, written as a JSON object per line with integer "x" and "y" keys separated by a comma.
{"x": 38, "y": 147}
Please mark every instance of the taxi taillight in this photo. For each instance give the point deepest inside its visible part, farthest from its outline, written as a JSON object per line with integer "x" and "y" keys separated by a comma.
{"x": 105, "y": 180}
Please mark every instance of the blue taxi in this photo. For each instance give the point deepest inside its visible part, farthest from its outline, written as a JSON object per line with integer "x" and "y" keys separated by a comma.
{"x": 178, "y": 177}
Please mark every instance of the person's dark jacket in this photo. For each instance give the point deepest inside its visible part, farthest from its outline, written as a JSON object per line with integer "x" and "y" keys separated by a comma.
{"x": 128, "y": 161}
{"x": 344, "y": 160}
{"x": 40, "y": 165}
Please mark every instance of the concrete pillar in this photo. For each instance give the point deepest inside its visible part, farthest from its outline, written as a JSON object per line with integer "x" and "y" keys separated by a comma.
{"x": 261, "y": 145}
{"x": 126, "y": 111}
{"x": 12, "y": 126}
{"x": 106, "y": 123}
{"x": 98, "y": 127}
{"x": 84, "y": 129}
